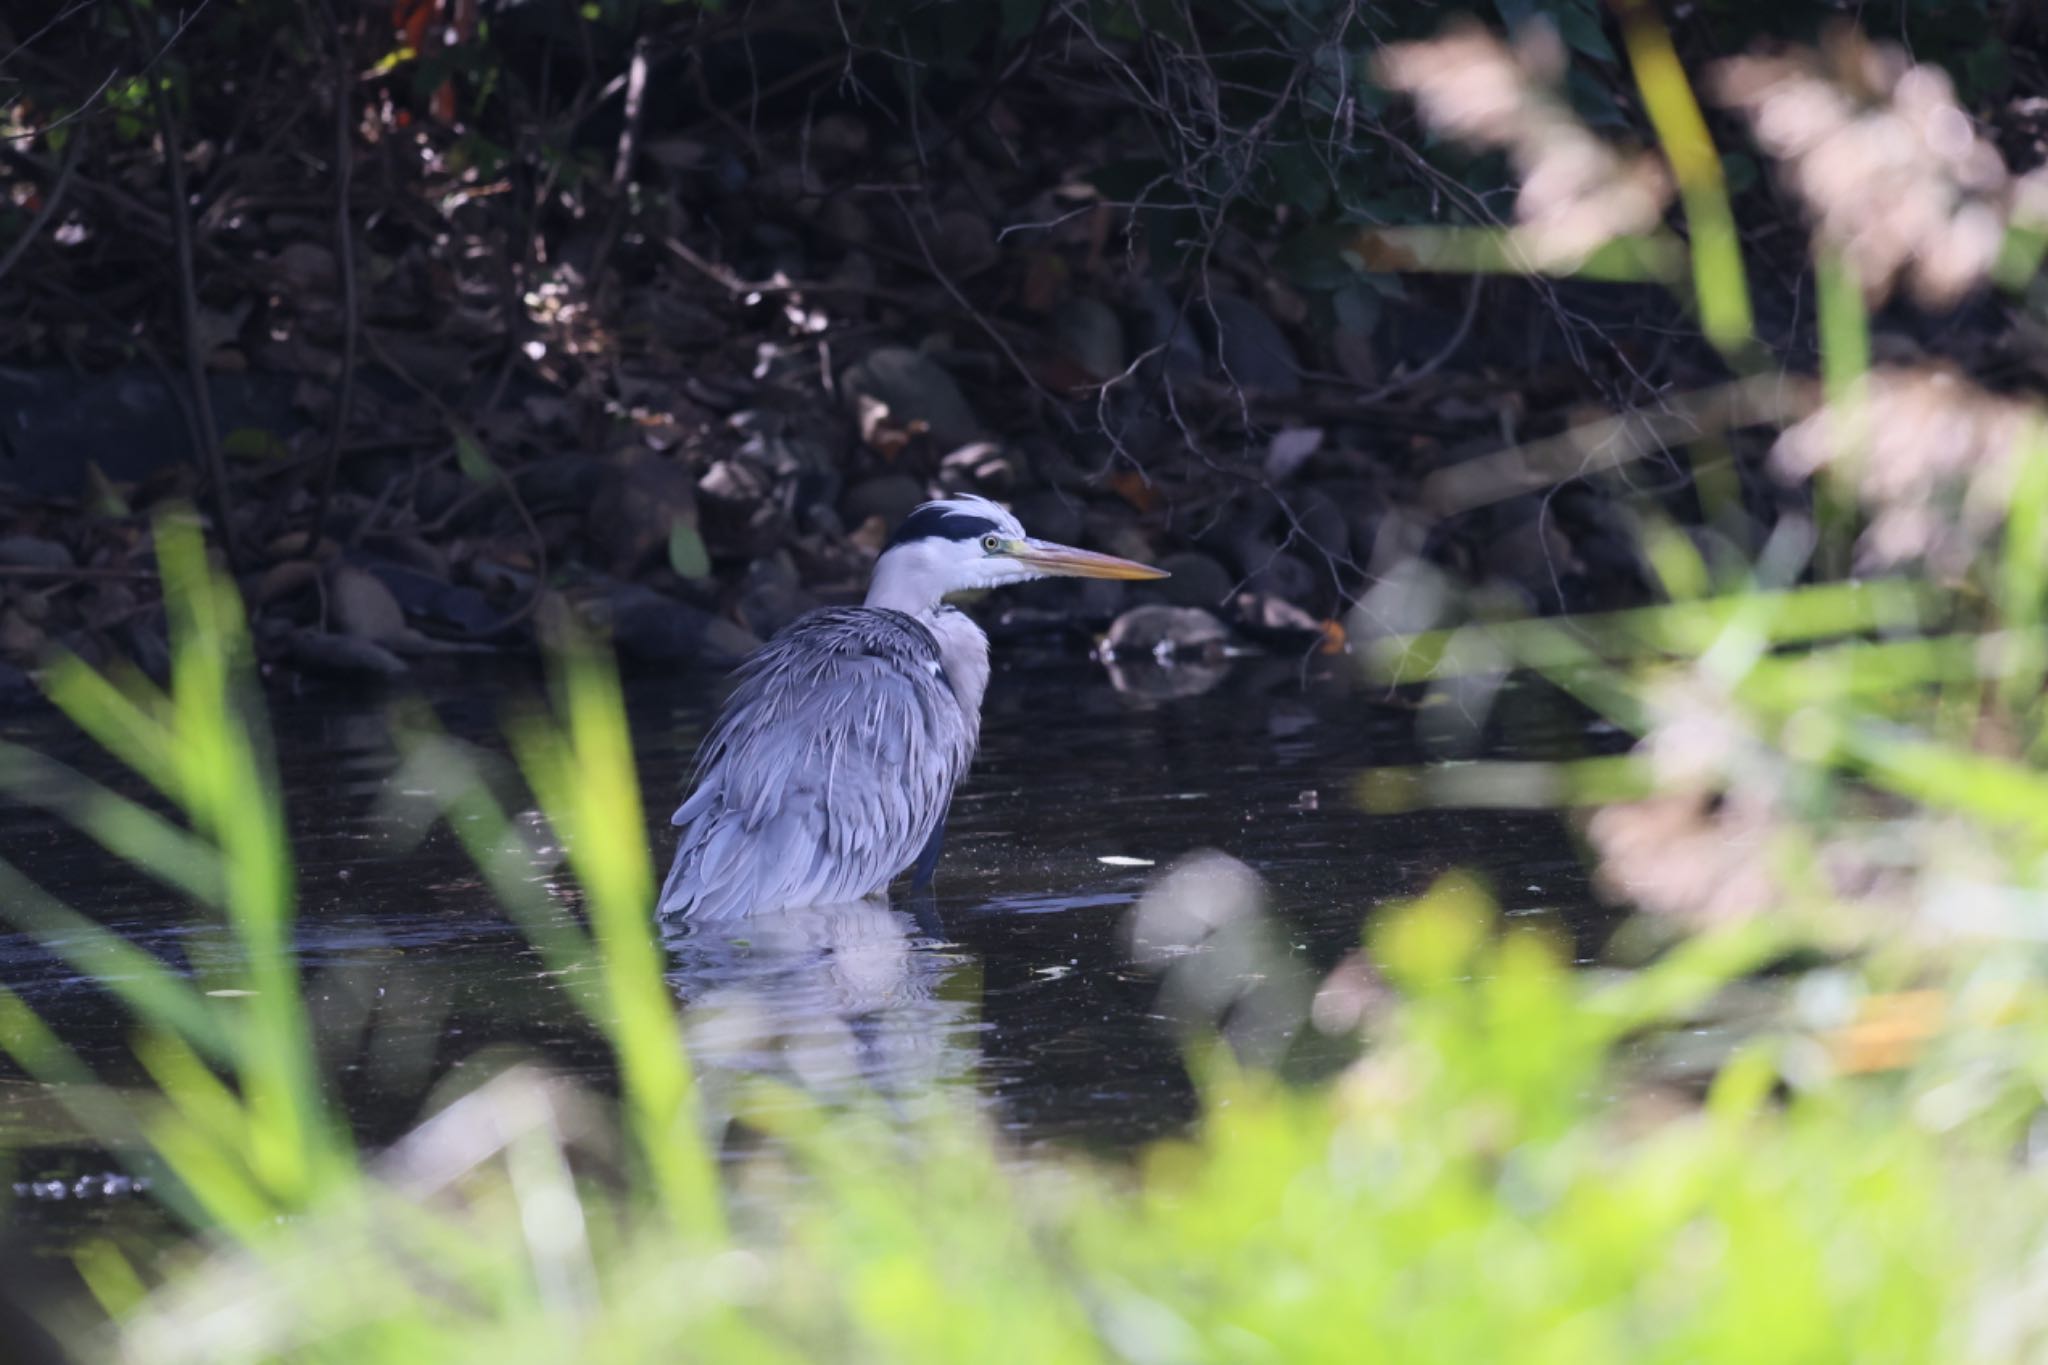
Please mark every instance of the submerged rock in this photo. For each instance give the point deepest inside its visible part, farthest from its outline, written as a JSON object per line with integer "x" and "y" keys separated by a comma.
{"x": 1164, "y": 633}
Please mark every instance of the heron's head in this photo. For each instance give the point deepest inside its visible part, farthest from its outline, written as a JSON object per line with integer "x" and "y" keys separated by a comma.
{"x": 966, "y": 542}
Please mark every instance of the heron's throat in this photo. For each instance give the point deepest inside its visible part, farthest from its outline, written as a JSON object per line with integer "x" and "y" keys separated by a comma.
{"x": 909, "y": 579}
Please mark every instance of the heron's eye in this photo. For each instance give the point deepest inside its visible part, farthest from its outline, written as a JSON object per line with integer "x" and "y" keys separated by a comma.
{"x": 991, "y": 543}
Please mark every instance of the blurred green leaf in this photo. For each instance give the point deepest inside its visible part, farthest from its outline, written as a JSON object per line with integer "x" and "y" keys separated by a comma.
{"x": 686, "y": 552}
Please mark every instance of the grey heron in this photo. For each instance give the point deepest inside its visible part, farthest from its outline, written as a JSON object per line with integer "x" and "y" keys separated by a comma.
{"x": 832, "y": 764}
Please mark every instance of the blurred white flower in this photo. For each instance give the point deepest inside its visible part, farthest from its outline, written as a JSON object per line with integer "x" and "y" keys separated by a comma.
{"x": 1892, "y": 169}
{"x": 1578, "y": 191}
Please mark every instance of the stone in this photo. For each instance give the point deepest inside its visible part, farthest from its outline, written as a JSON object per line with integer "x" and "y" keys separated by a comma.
{"x": 1250, "y": 350}
{"x": 650, "y": 628}
{"x": 423, "y": 596}
{"x": 915, "y": 388}
{"x": 306, "y": 265}
{"x": 1162, "y": 632}
{"x": 363, "y": 607}
{"x": 641, "y": 499}
{"x": 1050, "y": 515}
{"x": 962, "y": 241}
{"x": 840, "y": 136}
{"x": 33, "y": 552}
{"x": 1285, "y": 575}
{"x": 17, "y": 689}
{"x": 1088, "y": 332}
{"x": 771, "y": 596}
{"x": 319, "y": 652}
{"x": 1198, "y": 581}
{"x": 1159, "y": 323}
{"x": 979, "y": 467}
{"x": 892, "y": 497}
{"x": 1267, "y": 614}
{"x": 1289, "y": 450}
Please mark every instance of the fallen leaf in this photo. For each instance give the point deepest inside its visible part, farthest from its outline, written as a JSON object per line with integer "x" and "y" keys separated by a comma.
{"x": 1135, "y": 489}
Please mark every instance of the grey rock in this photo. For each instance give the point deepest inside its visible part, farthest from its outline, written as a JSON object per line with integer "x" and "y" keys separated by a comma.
{"x": 17, "y": 689}
{"x": 1198, "y": 581}
{"x": 979, "y": 467}
{"x": 641, "y": 500}
{"x": 425, "y": 597}
{"x": 963, "y": 241}
{"x": 1050, "y": 515}
{"x": 1159, "y": 322}
{"x": 650, "y": 628}
{"x": 1285, "y": 575}
{"x": 1152, "y": 681}
{"x": 363, "y": 607}
{"x": 741, "y": 509}
{"x": 318, "y": 652}
{"x": 1088, "y": 332}
{"x": 839, "y": 136}
{"x": 892, "y": 497}
{"x": 845, "y": 221}
{"x": 148, "y": 645}
{"x": 1325, "y": 530}
{"x": 771, "y": 596}
{"x": 1158, "y": 631}
{"x": 1250, "y": 349}
{"x": 33, "y": 552}
{"x": 306, "y": 265}
{"x": 1289, "y": 450}
{"x": 1263, "y": 614}
{"x": 916, "y": 388}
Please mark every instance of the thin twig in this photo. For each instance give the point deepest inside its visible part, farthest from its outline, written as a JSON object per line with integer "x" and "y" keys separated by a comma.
{"x": 995, "y": 333}
{"x": 210, "y": 454}
{"x": 65, "y": 572}
{"x": 505, "y": 483}
{"x": 85, "y": 105}
{"x": 345, "y": 260}
{"x": 51, "y": 201}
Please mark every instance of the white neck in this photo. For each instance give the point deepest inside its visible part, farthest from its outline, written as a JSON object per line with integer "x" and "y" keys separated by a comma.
{"x": 913, "y": 579}
{"x": 908, "y": 579}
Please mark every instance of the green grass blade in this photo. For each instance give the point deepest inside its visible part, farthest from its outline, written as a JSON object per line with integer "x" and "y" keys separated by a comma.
{"x": 1720, "y": 283}
{"x": 584, "y": 778}
{"x": 130, "y": 831}
{"x": 131, "y": 975}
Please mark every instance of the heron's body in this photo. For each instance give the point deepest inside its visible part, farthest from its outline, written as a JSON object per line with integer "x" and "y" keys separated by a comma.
{"x": 832, "y": 765}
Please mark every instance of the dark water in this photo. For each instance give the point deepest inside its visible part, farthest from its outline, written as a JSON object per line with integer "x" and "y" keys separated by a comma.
{"x": 1015, "y": 978}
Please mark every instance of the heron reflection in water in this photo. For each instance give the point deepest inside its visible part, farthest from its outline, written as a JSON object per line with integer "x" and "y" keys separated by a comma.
{"x": 832, "y": 765}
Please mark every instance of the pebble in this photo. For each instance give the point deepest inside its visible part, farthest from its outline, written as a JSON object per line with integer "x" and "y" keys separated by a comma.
{"x": 1088, "y": 332}
{"x": 33, "y": 552}
{"x": 1250, "y": 349}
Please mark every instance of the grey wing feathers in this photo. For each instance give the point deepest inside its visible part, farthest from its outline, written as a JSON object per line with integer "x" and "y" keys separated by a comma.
{"x": 832, "y": 763}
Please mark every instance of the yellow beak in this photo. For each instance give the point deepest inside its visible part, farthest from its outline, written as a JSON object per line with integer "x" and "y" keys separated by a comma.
{"x": 1068, "y": 562}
